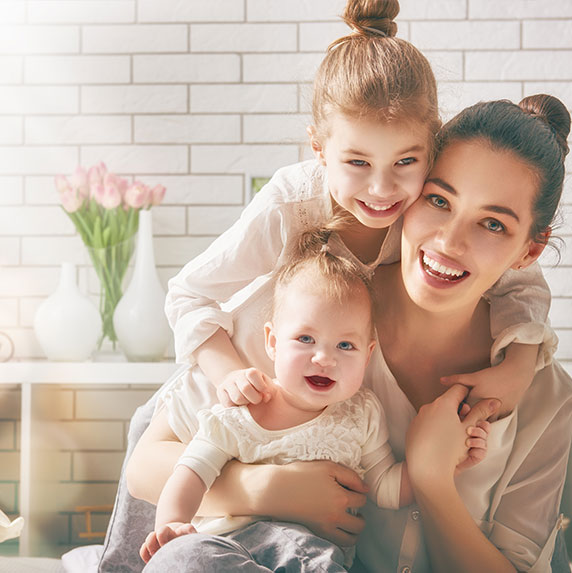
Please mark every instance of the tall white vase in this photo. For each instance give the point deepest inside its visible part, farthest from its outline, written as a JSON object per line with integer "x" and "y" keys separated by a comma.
{"x": 67, "y": 324}
{"x": 140, "y": 323}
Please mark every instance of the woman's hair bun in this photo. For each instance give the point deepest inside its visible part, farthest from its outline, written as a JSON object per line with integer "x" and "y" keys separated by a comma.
{"x": 370, "y": 17}
{"x": 553, "y": 112}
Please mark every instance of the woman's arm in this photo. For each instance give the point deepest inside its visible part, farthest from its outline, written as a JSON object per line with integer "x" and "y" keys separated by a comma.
{"x": 436, "y": 443}
{"x": 316, "y": 494}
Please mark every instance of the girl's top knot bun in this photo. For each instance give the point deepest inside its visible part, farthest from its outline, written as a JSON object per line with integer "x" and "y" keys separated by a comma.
{"x": 372, "y": 17}
{"x": 553, "y": 113}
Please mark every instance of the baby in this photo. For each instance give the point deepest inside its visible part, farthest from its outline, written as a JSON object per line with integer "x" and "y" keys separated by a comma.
{"x": 320, "y": 339}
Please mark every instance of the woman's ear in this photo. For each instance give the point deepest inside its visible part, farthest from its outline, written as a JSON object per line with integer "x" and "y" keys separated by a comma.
{"x": 317, "y": 147}
{"x": 534, "y": 250}
{"x": 270, "y": 341}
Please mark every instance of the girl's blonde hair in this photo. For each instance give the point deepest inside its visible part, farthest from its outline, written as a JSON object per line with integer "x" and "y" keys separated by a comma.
{"x": 371, "y": 73}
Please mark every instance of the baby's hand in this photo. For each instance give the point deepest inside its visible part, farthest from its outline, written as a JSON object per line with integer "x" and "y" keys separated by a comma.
{"x": 241, "y": 387}
{"x": 161, "y": 536}
{"x": 476, "y": 444}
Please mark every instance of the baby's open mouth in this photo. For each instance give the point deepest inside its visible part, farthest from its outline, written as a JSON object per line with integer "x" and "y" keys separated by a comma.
{"x": 319, "y": 381}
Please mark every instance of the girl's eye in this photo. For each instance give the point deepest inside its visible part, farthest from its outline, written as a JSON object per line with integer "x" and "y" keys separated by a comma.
{"x": 437, "y": 201}
{"x": 305, "y": 339}
{"x": 407, "y": 161}
{"x": 358, "y": 162}
{"x": 345, "y": 345}
{"x": 494, "y": 226}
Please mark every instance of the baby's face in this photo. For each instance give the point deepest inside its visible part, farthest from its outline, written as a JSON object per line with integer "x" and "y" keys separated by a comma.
{"x": 320, "y": 346}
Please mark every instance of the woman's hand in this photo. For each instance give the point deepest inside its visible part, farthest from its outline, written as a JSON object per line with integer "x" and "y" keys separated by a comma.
{"x": 437, "y": 438}
{"x": 319, "y": 494}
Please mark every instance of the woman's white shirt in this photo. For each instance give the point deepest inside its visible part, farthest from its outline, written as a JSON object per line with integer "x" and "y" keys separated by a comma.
{"x": 513, "y": 495}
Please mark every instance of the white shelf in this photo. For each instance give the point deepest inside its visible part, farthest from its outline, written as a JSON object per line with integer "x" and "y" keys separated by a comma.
{"x": 44, "y": 372}
{"x": 36, "y": 378}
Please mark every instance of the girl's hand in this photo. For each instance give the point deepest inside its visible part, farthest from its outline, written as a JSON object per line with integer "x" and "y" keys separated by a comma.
{"x": 247, "y": 386}
{"x": 436, "y": 440}
{"x": 161, "y": 536}
{"x": 318, "y": 495}
{"x": 507, "y": 381}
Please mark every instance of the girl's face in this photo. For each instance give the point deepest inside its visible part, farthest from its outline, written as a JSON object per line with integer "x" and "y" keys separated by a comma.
{"x": 375, "y": 169}
{"x": 470, "y": 224}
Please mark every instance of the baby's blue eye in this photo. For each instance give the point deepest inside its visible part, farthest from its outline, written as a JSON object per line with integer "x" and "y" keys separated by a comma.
{"x": 494, "y": 226}
{"x": 358, "y": 162}
{"x": 305, "y": 339}
{"x": 407, "y": 161}
{"x": 344, "y": 345}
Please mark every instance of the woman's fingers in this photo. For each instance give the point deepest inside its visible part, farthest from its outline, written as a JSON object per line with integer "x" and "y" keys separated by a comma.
{"x": 350, "y": 480}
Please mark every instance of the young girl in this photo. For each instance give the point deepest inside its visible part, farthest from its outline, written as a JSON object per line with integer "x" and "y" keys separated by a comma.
{"x": 320, "y": 339}
{"x": 375, "y": 118}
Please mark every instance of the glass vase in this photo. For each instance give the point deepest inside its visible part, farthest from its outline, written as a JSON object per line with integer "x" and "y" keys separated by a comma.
{"x": 110, "y": 264}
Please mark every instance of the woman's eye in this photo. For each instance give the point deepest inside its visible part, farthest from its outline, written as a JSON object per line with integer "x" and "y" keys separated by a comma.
{"x": 305, "y": 339}
{"x": 358, "y": 162}
{"x": 437, "y": 201}
{"x": 494, "y": 226}
{"x": 407, "y": 161}
{"x": 344, "y": 345}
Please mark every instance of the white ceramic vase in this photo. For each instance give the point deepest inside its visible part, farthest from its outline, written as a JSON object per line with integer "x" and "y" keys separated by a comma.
{"x": 67, "y": 324}
{"x": 139, "y": 320}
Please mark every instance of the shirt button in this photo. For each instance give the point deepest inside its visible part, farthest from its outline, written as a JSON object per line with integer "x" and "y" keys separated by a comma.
{"x": 406, "y": 569}
{"x": 415, "y": 515}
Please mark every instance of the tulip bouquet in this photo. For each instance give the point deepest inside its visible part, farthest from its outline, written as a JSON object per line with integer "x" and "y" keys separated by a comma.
{"x": 105, "y": 211}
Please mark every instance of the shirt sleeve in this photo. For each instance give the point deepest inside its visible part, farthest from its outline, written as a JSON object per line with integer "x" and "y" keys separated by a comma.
{"x": 211, "y": 448}
{"x": 249, "y": 249}
{"x": 382, "y": 473}
{"x": 520, "y": 301}
{"x": 525, "y": 521}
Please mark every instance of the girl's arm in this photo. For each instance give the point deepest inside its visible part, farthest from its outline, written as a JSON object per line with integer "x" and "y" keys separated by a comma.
{"x": 519, "y": 301}
{"x": 316, "y": 494}
{"x": 435, "y": 445}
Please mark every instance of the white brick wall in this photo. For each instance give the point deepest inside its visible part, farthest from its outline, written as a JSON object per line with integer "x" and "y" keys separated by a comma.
{"x": 199, "y": 95}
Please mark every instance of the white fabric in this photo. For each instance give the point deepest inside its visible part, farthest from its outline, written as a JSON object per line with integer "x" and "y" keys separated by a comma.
{"x": 352, "y": 433}
{"x": 513, "y": 495}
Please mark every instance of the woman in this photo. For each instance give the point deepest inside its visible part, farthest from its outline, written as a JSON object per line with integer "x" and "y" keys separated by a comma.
{"x": 486, "y": 208}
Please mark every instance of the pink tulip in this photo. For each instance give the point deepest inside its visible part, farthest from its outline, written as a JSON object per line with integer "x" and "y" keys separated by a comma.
{"x": 137, "y": 196}
{"x": 95, "y": 177}
{"x": 78, "y": 181}
{"x": 107, "y": 196}
{"x": 62, "y": 184}
{"x": 157, "y": 194}
{"x": 71, "y": 199}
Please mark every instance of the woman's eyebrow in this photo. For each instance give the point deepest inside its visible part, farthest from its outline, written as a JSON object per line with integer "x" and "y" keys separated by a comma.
{"x": 494, "y": 208}
{"x": 502, "y": 210}
{"x": 443, "y": 184}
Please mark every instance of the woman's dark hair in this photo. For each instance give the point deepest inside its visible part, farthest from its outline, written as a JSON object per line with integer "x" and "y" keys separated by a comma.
{"x": 535, "y": 130}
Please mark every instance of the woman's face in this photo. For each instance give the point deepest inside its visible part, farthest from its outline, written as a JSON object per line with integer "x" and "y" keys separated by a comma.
{"x": 470, "y": 224}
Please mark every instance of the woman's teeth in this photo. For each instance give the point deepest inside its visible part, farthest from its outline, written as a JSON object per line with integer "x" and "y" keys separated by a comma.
{"x": 441, "y": 269}
{"x": 378, "y": 207}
